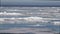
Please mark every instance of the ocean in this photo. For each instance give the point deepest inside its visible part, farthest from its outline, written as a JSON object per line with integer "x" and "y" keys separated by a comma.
{"x": 30, "y": 20}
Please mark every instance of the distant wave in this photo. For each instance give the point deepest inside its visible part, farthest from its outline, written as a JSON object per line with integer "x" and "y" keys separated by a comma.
{"x": 26, "y": 19}
{"x": 5, "y": 13}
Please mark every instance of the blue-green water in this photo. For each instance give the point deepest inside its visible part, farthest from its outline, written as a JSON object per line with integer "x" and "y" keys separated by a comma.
{"x": 8, "y": 26}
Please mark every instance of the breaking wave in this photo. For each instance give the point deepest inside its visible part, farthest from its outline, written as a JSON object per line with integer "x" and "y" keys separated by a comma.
{"x": 5, "y": 13}
{"x": 27, "y": 20}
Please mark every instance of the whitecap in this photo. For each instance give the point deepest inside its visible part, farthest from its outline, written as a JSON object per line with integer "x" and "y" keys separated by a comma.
{"x": 33, "y": 18}
{"x": 56, "y": 23}
{"x": 1, "y": 19}
{"x": 5, "y": 13}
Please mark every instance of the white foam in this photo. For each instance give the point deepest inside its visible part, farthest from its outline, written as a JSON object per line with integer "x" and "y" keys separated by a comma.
{"x": 33, "y": 18}
{"x": 5, "y": 13}
{"x": 27, "y": 19}
{"x": 1, "y": 13}
{"x": 1, "y": 19}
{"x": 14, "y": 14}
{"x": 40, "y": 10}
{"x": 13, "y": 18}
{"x": 56, "y": 23}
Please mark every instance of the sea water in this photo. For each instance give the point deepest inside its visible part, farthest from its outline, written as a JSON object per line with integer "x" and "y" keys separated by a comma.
{"x": 31, "y": 17}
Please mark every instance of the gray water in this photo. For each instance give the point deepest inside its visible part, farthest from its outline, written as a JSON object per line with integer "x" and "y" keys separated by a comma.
{"x": 38, "y": 17}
